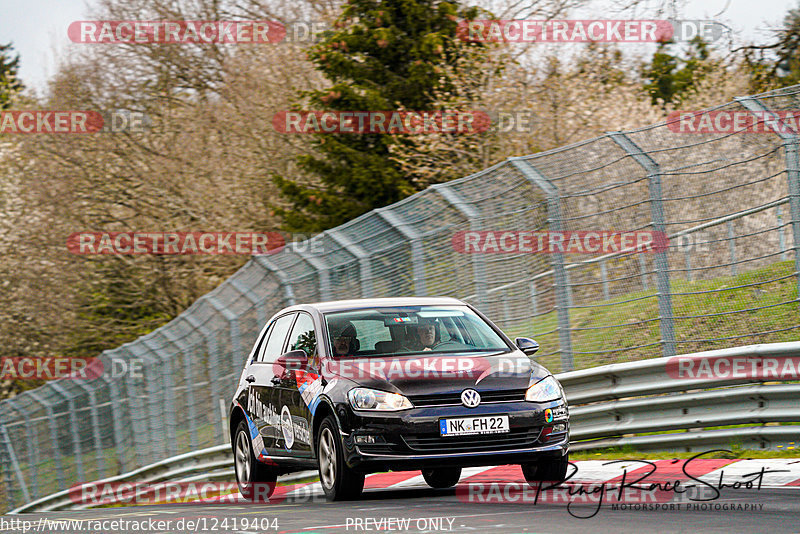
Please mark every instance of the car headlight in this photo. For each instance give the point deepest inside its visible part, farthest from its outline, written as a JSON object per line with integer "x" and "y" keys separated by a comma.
{"x": 545, "y": 390}
{"x": 372, "y": 399}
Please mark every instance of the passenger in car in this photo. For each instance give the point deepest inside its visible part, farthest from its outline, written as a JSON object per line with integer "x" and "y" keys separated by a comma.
{"x": 345, "y": 341}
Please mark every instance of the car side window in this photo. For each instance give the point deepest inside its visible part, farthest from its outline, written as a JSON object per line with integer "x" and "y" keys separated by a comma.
{"x": 260, "y": 343}
{"x": 277, "y": 336}
{"x": 303, "y": 336}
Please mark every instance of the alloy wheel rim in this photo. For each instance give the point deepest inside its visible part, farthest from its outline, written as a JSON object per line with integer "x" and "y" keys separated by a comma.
{"x": 242, "y": 458}
{"x": 327, "y": 458}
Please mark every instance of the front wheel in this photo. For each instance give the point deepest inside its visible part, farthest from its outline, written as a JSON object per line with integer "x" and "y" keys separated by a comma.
{"x": 256, "y": 481}
{"x": 442, "y": 478}
{"x": 546, "y": 470}
{"x": 339, "y": 482}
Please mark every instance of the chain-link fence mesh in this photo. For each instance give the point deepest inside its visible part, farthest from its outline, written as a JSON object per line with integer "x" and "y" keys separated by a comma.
{"x": 729, "y": 202}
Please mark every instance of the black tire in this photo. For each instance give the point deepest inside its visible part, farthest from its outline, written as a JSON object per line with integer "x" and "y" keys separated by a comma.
{"x": 546, "y": 470}
{"x": 256, "y": 480}
{"x": 339, "y": 481}
{"x": 441, "y": 478}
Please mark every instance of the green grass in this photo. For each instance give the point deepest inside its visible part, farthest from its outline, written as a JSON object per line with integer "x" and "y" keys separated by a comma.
{"x": 691, "y": 334}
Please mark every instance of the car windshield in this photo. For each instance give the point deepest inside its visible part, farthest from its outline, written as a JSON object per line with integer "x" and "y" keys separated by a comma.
{"x": 408, "y": 330}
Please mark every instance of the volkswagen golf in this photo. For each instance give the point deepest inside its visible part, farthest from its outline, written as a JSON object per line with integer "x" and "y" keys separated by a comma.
{"x": 361, "y": 386}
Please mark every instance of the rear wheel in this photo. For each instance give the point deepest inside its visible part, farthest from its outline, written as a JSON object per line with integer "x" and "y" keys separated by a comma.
{"x": 256, "y": 481}
{"x": 446, "y": 477}
{"x": 546, "y": 470}
{"x": 339, "y": 482}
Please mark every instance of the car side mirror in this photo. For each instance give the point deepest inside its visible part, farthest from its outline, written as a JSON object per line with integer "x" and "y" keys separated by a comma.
{"x": 527, "y": 345}
{"x": 294, "y": 360}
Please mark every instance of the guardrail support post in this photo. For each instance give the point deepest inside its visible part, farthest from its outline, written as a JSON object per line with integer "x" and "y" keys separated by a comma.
{"x": 472, "y": 215}
{"x": 562, "y": 290}
{"x": 790, "y": 148}
{"x": 661, "y": 262}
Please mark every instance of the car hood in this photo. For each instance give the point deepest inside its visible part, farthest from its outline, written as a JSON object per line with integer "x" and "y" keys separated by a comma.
{"x": 444, "y": 373}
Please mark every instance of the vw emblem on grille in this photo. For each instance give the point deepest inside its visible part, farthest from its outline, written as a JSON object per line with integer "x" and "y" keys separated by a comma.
{"x": 470, "y": 398}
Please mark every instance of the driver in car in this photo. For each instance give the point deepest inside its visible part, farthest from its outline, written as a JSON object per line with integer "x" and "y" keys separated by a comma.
{"x": 426, "y": 337}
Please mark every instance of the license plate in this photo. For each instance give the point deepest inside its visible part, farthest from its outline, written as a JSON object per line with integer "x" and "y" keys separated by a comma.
{"x": 463, "y": 426}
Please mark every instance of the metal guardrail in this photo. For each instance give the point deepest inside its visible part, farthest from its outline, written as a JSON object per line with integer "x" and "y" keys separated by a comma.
{"x": 208, "y": 465}
{"x": 609, "y": 405}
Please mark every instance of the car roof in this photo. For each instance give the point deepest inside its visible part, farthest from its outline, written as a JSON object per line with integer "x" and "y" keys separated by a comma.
{"x": 356, "y": 304}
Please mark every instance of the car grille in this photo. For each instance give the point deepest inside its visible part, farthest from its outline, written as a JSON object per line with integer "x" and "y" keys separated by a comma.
{"x": 487, "y": 397}
{"x": 434, "y": 443}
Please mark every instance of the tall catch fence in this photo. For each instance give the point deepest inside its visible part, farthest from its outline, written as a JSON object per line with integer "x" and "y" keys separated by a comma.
{"x": 729, "y": 202}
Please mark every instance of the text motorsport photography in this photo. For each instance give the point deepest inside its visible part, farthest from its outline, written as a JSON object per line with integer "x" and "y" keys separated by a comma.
{"x": 694, "y": 484}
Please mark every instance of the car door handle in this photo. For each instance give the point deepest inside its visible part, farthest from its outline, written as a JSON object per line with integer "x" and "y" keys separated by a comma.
{"x": 250, "y": 378}
{"x": 276, "y": 380}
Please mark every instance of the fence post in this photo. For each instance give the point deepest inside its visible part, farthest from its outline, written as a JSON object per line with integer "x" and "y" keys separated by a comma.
{"x": 236, "y": 342}
{"x": 472, "y": 215}
{"x": 364, "y": 265}
{"x": 213, "y": 358}
{"x": 790, "y": 149}
{"x": 781, "y": 236}
{"x": 562, "y": 291}
{"x": 417, "y": 256}
{"x": 73, "y": 423}
{"x": 661, "y": 261}
{"x": 33, "y": 456}
{"x": 288, "y": 289}
{"x": 534, "y": 304}
{"x": 115, "y": 398}
{"x": 732, "y": 247}
{"x": 187, "y": 377}
{"x": 53, "y": 437}
{"x": 261, "y": 310}
{"x": 98, "y": 446}
{"x": 170, "y": 416}
{"x": 8, "y": 447}
{"x": 321, "y": 268}
{"x": 155, "y": 391}
{"x": 604, "y": 279}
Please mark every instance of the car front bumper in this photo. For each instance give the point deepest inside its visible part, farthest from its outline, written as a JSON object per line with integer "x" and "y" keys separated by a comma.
{"x": 410, "y": 440}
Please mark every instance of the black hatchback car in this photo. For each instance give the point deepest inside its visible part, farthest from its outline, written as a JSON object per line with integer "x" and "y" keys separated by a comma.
{"x": 360, "y": 386}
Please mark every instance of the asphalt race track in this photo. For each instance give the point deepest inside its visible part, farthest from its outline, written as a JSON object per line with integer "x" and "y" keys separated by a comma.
{"x": 401, "y": 502}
